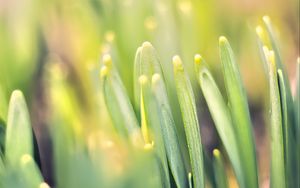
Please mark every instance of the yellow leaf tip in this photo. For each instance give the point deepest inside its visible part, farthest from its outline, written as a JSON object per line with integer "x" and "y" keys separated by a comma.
{"x": 259, "y": 31}
{"x": 107, "y": 59}
{"x": 146, "y": 44}
{"x": 216, "y": 152}
{"x": 44, "y": 185}
{"x": 155, "y": 78}
{"x": 103, "y": 71}
{"x": 149, "y": 146}
{"x": 17, "y": 93}
{"x": 177, "y": 63}
{"x": 266, "y": 19}
{"x": 222, "y": 40}
{"x": 198, "y": 59}
{"x": 143, "y": 79}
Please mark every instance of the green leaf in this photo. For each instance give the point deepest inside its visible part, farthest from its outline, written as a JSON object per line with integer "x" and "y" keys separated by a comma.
{"x": 219, "y": 169}
{"x": 277, "y": 175}
{"x": 146, "y": 63}
{"x": 239, "y": 111}
{"x": 288, "y": 136}
{"x": 118, "y": 103}
{"x": 220, "y": 115}
{"x": 30, "y": 172}
{"x": 297, "y": 118}
{"x": 191, "y": 125}
{"x": 151, "y": 120}
{"x": 280, "y": 65}
{"x": 2, "y": 137}
{"x": 18, "y": 132}
{"x": 169, "y": 133}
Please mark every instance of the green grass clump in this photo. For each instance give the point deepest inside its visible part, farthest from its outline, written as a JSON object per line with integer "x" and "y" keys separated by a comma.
{"x": 144, "y": 147}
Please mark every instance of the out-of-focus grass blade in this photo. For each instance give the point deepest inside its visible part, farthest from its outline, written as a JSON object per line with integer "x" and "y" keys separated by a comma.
{"x": 219, "y": 169}
{"x": 238, "y": 106}
{"x": 221, "y": 116}
{"x": 169, "y": 133}
{"x": 30, "y": 172}
{"x": 152, "y": 122}
{"x": 297, "y": 118}
{"x": 208, "y": 167}
{"x": 1, "y": 166}
{"x": 280, "y": 65}
{"x": 156, "y": 166}
{"x": 3, "y": 106}
{"x": 191, "y": 125}
{"x": 277, "y": 175}
{"x": 118, "y": 103}
{"x": 146, "y": 63}
{"x": 137, "y": 70}
{"x": 288, "y": 136}
{"x": 18, "y": 132}
{"x": 2, "y": 137}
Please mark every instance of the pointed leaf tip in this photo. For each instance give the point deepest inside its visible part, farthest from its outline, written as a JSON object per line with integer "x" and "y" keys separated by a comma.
{"x": 155, "y": 78}
{"x": 223, "y": 40}
{"x": 198, "y": 59}
{"x": 147, "y": 44}
{"x": 106, "y": 59}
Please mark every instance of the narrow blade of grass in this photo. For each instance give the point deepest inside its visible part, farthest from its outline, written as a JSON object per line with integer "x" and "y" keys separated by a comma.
{"x": 118, "y": 103}
{"x": 146, "y": 63}
{"x": 280, "y": 65}
{"x": 277, "y": 174}
{"x": 240, "y": 113}
{"x": 137, "y": 70}
{"x": 153, "y": 123}
{"x": 288, "y": 136}
{"x": 191, "y": 125}
{"x": 2, "y": 137}
{"x": 297, "y": 117}
{"x": 221, "y": 116}
{"x": 169, "y": 133}
{"x": 18, "y": 132}
{"x": 219, "y": 169}
{"x": 30, "y": 172}
{"x": 156, "y": 168}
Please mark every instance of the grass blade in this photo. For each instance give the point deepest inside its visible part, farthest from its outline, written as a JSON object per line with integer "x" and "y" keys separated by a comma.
{"x": 2, "y": 137}
{"x": 220, "y": 115}
{"x": 146, "y": 63}
{"x": 288, "y": 136}
{"x": 18, "y": 132}
{"x": 219, "y": 169}
{"x": 152, "y": 122}
{"x": 297, "y": 118}
{"x": 240, "y": 114}
{"x": 118, "y": 103}
{"x": 280, "y": 65}
{"x": 277, "y": 175}
{"x": 169, "y": 133}
{"x": 191, "y": 125}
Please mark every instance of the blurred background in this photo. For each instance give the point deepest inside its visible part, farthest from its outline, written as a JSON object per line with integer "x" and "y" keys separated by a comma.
{"x": 43, "y": 42}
